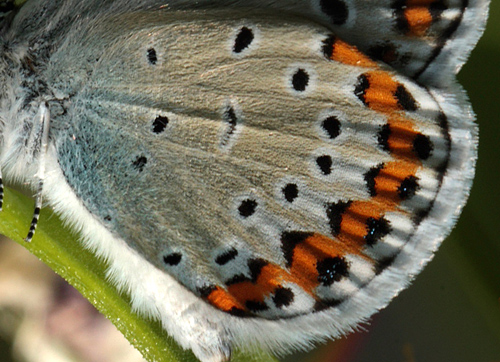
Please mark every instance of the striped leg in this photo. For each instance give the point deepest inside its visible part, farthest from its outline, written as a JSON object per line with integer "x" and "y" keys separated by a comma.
{"x": 45, "y": 124}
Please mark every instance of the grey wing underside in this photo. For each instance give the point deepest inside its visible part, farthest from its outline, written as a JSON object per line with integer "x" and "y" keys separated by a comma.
{"x": 429, "y": 42}
{"x": 179, "y": 141}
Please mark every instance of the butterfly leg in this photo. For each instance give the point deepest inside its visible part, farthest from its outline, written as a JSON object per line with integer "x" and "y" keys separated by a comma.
{"x": 44, "y": 123}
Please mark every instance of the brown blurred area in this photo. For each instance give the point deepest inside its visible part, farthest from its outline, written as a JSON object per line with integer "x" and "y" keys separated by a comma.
{"x": 44, "y": 319}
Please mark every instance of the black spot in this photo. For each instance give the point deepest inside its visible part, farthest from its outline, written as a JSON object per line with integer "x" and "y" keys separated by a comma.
{"x": 239, "y": 278}
{"x": 237, "y": 312}
{"x": 399, "y": 7}
{"x": 422, "y": 146}
{"x": 227, "y": 256}
{"x": 408, "y": 188}
{"x": 159, "y": 124}
{"x": 289, "y": 240}
{"x": 328, "y": 46}
{"x": 325, "y": 164}
{"x": 290, "y": 191}
{"x": 377, "y": 229}
{"x": 361, "y": 87}
{"x": 336, "y": 10}
{"x": 256, "y": 306}
{"x": 107, "y": 218}
{"x": 442, "y": 168}
{"x": 325, "y": 304}
{"x": 332, "y": 126}
{"x": 436, "y": 9}
{"x": 334, "y": 213}
{"x": 385, "y": 52}
{"x": 283, "y": 297}
{"x": 206, "y": 290}
{"x": 247, "y": 207}
{"x": 243, "y": 39}
{"x": 405, "y": 99}
{"x": 140, "y": 163}
{"x": 384, "y": 264}
{"x": 152, "y": 58}
{"x": 172, "y": 259}
{"x": 331, "y": 270}
{"x": 255, "y": 266}
{"x": 421, "y": 214}
{"x": 300, "y": 80}
{"x": 229, "y": 116}
{"x": 370, "y": 177}
{"x": 383, "y": 137}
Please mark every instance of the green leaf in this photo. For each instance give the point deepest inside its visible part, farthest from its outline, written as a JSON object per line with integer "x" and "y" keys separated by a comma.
{"x": 58, "y": 247}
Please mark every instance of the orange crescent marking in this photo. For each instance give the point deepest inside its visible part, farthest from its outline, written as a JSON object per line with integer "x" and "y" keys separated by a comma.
{"x": 271, "y": 276}
{"x": 350, "y": 55}
{"x": 223, "y": 300}
{"x": 419, "y": 21}
{"x": 380, "y": 95}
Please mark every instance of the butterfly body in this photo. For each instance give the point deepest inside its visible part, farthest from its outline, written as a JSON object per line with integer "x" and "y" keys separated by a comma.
{"x": 248, "y": 173}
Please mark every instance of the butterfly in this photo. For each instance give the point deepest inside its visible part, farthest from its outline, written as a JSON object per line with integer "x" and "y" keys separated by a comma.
{"x": 264, "y": 173}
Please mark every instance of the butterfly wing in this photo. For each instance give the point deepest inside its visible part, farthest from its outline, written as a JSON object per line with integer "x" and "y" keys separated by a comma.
{"x": 425, "y": 40}
{"x": 250, "y": 176}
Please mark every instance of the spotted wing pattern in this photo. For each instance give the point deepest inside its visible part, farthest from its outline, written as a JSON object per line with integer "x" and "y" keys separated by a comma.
{"x": 255, "y": 172}
{"x": 287, "y": 209}
{"x": 348, "y": 255}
